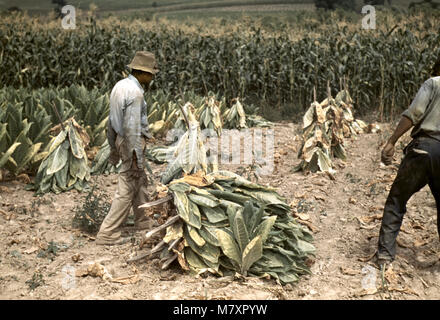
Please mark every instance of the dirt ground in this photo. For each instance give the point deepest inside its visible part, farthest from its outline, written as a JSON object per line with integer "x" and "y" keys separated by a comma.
{"x": 344, "y": 213}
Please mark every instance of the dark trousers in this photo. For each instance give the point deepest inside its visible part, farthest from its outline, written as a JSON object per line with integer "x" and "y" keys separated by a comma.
{"x": 420, "y": 166}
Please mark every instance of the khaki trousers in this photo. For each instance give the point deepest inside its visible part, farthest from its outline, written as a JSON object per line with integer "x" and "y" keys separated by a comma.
{"x": 131, "y": 192}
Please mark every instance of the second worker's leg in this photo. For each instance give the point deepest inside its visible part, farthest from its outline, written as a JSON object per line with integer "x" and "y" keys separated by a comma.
{"x": 411, "y": 177}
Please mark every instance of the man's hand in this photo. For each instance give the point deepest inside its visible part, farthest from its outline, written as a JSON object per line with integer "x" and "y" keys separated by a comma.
{"x": 387, "y": 154}
{"x": 114, "y": 157}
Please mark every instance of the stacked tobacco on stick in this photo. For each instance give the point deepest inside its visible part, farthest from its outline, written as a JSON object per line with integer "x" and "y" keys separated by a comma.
{"x": 325, "y": 125}
{"x": 221, "y": 223}
{"x": 65, "y": 166}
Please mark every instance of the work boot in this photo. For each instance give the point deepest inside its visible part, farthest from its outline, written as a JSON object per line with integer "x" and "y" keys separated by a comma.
{"x": 112, "y": 242}
{"x": 383, "y": 262}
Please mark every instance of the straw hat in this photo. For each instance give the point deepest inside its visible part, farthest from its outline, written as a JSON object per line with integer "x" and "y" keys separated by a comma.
{"x": 144, "y": 61}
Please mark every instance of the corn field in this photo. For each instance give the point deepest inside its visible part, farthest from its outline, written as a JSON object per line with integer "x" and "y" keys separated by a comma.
{"x": 383, "y": 69}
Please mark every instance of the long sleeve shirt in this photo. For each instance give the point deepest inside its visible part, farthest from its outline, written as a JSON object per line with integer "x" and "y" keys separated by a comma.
{"x": 128, "y": 121}
{"x": 424, "y": 111}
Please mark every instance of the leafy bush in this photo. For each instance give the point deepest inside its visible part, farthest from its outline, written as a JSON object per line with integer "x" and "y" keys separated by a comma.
{"x": 90, "y": 214}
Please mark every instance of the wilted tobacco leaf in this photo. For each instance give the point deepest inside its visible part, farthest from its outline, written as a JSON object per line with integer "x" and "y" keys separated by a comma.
{"x": 252, "y": 253}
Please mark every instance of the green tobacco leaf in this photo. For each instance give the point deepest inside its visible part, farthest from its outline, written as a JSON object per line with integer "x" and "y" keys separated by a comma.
{"x": 175, "y": 231}
{"x": 195, "y": 218}
{"x": 57, "y": 141}
{"x": 309, "y": 116}
{"x": 264, "y": 228}
{"x": 256, "y": 219}
{"x": 79, "y": 168}
{"x": 229, "y": 246}
{"x": 286, "y": 278}
{"x": 179, "y": 187}
{"x": 305, "y": 247}
{"x": 60, "y": 158}
{"x": 30, "y": 155}
{"x": 324, "y": 162}
{"x": 75, "y": 142}
{"x": 252, "y": 253}
{"x": 230, "y": 196}
{"x": 195, "y": 236}
{"x": 61, "y": 176}
{"x": 207, "y": 251}
{"x": 240, "y": 231}
{"x": 182, "y": 204}
{"x": 5, "y": 157}
{"x": 209, "y": 234}
{"x": 214, "y": 215}
{"x": 248, "y": 212}
{"x": 203, "y": 201}
{"x": 193, "y": 259}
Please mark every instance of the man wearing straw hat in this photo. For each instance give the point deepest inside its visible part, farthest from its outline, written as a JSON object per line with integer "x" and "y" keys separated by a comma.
{"x": 127, "y": 133}
{"x": 419, "y": 167}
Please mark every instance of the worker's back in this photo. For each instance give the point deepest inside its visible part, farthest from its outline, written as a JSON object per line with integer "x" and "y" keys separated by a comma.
{"x": 424, "y": 111}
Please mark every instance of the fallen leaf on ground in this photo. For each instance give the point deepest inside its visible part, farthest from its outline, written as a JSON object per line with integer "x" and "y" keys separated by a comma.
{"x": 348, "y": 271}
{"x": 127, "y": 280}
{"x": 5, "y": 189}
{"x": 308, "y": 224}
{"x": 6, "y": 214}
{"x": 76, "y": 257}
{"x": 420, "y": 242}
{"x": 95, "y": 270}
{"x": 372, "y": 209}
{"x": 369, "y": 219}
{"x": 390, "y": 275}
{"x": 300, "y": 194}
{"x": 366, "y": 292}
{"x": 402, "y": 244}
{"x": 403, "y": 229}
{"x": 319, "y": 197}
{"x": 416, "y": 225}
{"x": 301, "y": 216}
{"x": 31, "y": 250}
{"x": 24, "y": 178}
{"x": 367, "y": 258}
{"x": 403, "y": 290}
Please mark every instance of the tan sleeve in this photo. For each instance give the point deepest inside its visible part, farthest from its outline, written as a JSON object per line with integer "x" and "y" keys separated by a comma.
{"x": 418, "y": 107}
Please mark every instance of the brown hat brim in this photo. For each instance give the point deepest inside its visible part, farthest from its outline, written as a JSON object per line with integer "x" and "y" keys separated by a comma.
{"x": 143, "y": 68}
